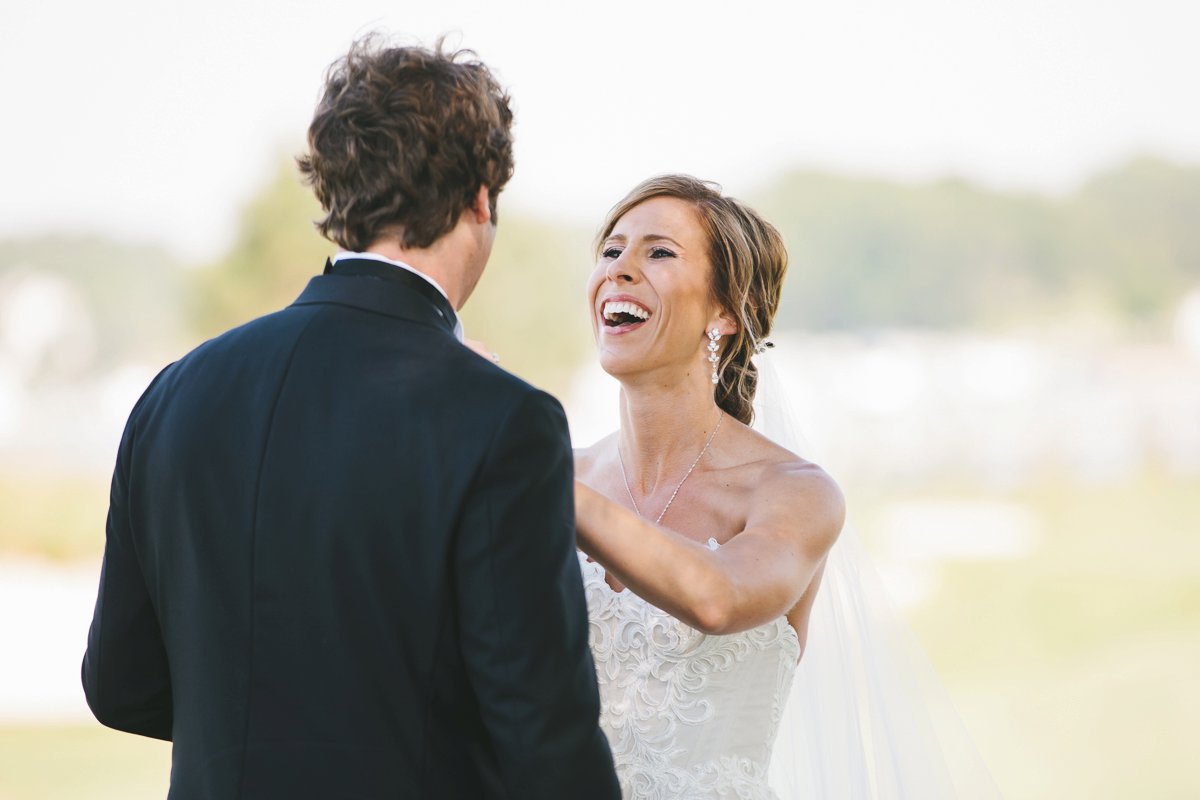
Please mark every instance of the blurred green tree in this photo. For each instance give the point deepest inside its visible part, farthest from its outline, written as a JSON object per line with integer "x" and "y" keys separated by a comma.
{"x": 1135, "y": 231}
{"x": 874, "y": 253}
{"x": 275, "y": 250}
{"x": 530, "y": 305}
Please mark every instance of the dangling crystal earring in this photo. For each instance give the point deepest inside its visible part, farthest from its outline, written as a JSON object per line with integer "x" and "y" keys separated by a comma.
{"x": 714, "y": 336}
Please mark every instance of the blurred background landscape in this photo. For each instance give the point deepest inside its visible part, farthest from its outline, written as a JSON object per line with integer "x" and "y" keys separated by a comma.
{"x": 997, "y": 353}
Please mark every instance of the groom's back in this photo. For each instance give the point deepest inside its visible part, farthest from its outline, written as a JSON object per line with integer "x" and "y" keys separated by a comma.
{"x": 317, "y": 462}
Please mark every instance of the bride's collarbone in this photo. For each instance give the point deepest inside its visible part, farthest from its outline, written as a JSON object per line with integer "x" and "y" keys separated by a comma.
{"x": 710, "y": 505}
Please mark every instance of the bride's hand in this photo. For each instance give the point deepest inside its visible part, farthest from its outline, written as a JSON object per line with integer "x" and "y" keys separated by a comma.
{"x": 482, "y": 349}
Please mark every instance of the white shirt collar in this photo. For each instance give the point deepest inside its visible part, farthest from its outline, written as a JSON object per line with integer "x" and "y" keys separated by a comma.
{"x": 458, "y": 328}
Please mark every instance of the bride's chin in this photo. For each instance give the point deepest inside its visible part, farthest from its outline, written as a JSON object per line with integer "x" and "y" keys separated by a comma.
{"x": 612, "y": 368}
{"x": 617, "y": 366}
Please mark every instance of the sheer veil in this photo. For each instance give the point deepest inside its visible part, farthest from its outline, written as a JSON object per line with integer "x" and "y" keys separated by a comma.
{"x": 866, "y": 716}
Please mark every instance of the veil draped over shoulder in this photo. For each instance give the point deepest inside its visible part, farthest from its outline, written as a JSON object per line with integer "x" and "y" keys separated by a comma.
{"x": 867, "y": 717}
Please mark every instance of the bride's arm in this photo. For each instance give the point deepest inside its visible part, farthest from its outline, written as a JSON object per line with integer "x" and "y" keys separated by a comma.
{"x": 759, "y": 575}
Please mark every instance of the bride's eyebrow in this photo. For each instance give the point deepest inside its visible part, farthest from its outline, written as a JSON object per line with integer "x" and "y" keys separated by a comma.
{"x": 650, "y": 237}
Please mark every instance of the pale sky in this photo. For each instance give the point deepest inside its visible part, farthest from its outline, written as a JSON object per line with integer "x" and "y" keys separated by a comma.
{"x": 153, "y": 121}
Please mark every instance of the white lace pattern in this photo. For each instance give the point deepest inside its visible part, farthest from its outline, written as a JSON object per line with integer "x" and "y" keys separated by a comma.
{"x": 688, "y": 715}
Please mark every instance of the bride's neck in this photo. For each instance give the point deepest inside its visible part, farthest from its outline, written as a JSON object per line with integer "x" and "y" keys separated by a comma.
{"x": 663, "y": 428}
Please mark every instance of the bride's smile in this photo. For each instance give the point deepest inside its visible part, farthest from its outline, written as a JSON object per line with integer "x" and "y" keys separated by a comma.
{"x": 622, "y": 313}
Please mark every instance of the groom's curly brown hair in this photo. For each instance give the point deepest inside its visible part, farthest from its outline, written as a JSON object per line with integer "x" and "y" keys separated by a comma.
{"x": 402, "y": 140}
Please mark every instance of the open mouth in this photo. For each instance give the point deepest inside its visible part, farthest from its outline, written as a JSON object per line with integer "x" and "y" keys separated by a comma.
{"x": 621, "y": 315}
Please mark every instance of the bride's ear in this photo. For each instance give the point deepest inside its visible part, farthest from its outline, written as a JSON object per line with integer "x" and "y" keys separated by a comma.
{"x": 725, "y": 323}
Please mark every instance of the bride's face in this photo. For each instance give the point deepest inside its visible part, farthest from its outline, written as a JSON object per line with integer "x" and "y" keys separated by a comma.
{"x": 649, "y": 292}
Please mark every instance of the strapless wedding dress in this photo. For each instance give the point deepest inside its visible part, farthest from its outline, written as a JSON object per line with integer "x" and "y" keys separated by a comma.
{"x": 688, "y": 715}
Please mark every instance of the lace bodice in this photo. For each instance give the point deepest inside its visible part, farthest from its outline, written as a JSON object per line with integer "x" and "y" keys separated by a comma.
{"x": 688, "y": 715}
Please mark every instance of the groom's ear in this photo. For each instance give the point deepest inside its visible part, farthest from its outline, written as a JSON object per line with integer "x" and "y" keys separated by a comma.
{"x": 481, "y": 206}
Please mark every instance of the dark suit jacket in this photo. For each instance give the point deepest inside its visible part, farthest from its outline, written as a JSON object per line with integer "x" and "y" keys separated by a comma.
{"x": 340, "y": 564}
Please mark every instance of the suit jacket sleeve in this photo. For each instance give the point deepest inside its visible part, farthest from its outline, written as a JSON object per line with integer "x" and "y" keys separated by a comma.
{"x": 125, "y": 675}
{"x": 523, "y": 615}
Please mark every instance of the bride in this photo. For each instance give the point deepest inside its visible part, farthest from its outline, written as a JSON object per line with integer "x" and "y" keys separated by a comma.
{"x": 706, "y": 539}
{"x": 705, "y": 544}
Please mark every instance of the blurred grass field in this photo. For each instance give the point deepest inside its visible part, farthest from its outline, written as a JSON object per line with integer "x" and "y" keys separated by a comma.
{"x": 1074, "y": 665}
{"x": 81, "y": 762}
{"x": 52, "y": 516}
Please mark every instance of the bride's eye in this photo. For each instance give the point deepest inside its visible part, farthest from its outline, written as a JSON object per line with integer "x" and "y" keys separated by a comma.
{"x": 611, "y": 252}
{"x": 661, "y": 252}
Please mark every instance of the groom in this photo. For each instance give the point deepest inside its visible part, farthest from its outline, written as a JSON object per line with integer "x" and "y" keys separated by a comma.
{"x": 340, "y": 546}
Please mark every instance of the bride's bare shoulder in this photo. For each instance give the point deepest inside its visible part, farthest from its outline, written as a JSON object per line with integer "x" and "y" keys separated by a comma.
{"x": 766, "y": 454}
{"x": 784, "y": 479}
{"x": 588, "y": 459}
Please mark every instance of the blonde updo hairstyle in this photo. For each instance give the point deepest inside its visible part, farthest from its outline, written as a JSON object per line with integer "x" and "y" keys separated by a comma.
{"x": 748, "y": 265}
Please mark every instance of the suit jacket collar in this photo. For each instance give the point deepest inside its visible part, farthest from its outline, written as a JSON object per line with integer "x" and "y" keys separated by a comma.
{"x": 381, "y": 288}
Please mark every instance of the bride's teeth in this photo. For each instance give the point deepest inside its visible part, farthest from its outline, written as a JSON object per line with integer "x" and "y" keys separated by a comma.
{"x": 611, "y": 309}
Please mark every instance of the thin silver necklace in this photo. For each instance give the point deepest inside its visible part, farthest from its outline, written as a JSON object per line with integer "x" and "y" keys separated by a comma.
{"x": 678, "y": 486}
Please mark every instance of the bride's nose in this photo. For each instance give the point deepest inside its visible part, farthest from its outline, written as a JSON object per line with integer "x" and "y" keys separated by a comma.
{"x": 621, "y": 270}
